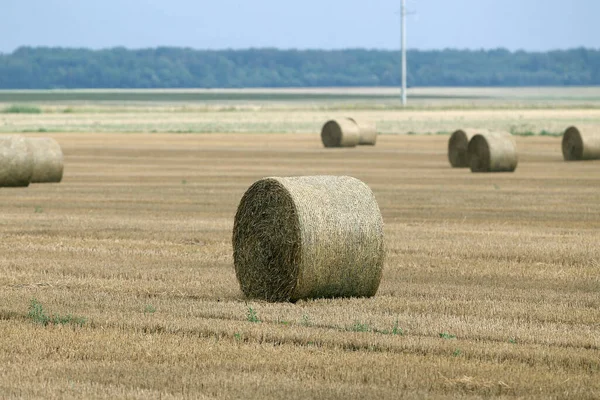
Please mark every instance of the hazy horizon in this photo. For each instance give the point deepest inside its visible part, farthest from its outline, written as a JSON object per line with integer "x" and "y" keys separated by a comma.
{"x": 529, "y": 25}
{"x": 299, "y": 49}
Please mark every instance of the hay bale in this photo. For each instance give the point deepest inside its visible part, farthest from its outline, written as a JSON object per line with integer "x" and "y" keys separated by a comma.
{"x": 308, "y": 237}
{"x": 47, "y": 160}
{"x": 16, "y": 161}
{"x": 340, "y": 133}
{"x": 578, "y": 146}
{"x": 367, "y": 132}
{"x": 492, "y": 152}
{"x": 458, "y": 145}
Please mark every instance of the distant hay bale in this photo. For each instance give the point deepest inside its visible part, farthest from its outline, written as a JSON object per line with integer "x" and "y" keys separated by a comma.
{"x": 308, "y": 237}
{"x": 47, "y": 160}
{"x": 458, "y": 147}
{"x": 340, "y": 133}
{"x": 367, "y": 132}
{"x": 492, "y": 152}
{"x": 16, "y": 161}
{"x": 581, "y": 146}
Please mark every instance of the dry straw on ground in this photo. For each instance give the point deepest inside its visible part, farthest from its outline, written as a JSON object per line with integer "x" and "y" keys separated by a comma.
{"x": 458, "y": 146}
{"x": 16, "y": 161}
{"x": 493, "y": 152}
{"x": 340, "y": 133}
{"x": 367, "y": 132}
{"x": 308, "y": 237}
{"x": 159, "y": 293}
{"x": 47, "y": 160}
{"x": 581, "y": 146}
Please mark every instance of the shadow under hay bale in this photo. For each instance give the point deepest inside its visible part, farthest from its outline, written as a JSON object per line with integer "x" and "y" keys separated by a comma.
{"x": 580, "y": 146}
{"x": 16, "y": 161}
{"x": 367, "y": 132}
{"x": 47, "y": 160}
{"x": 308, "y": 237}
{"x": 340, "y": 133}
{"x": 492, "y": 152}
{"x": 458, "y": 146}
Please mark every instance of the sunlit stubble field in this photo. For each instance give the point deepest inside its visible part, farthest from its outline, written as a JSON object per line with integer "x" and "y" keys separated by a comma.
{"x": 491, "y": 283}
{"x": 301, "y": 118}
{"x": 522, "y": 111}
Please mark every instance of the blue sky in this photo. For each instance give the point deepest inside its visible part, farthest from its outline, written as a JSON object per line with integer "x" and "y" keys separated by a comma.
{"x": 323, "y": 24}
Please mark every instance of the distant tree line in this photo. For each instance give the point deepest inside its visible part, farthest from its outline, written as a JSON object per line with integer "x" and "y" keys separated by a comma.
{"x": 166, "y": 67}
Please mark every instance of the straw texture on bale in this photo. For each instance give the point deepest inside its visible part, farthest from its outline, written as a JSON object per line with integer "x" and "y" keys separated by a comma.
{"x": 16, "y": 161}
{"x": 581, "y": 146}
{"x": 367, "y": 132}
{"x": 458, "y": 145}
{"x": 493, "y": 152}
{"x": 308, "y": 237}
{"x": 340, "y": 133}
{"x": 47, "y": 160}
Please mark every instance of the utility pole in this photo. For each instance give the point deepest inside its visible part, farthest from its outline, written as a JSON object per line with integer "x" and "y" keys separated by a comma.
{"x": 403, "y": 51}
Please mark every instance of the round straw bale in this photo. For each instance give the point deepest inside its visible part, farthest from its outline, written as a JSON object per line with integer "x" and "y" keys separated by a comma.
{"x": 581, "y": 146}
{"x": 367, "y": 132}
{"x": 308, "y": 237}
{"x": 340, "y": 133}
{"x": 47, "y": 160}
{"x": 458, "y": 146}
{"x": 16, "y": 161}
{"x": 492, "y": 152}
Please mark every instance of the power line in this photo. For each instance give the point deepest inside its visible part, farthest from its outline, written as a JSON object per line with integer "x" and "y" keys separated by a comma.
{"x": 403, "y": 48}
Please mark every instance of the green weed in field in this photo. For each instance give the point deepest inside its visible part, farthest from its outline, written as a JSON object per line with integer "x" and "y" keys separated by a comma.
{"x": 39, "y": 130}
{"x": 251, "y": 315}
{"x": 396, "y": 330}
{"x": 529, "y": 130}
{"x": 360, "y": 327}
{"x": 446, "y": 335}
{"x": 38, "y": 315}
{"x": 149, "y": 309}
{"x": 22, "y": 109}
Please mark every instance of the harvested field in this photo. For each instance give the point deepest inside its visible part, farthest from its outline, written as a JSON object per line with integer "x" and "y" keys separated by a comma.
{"x": 521, "y": 111}
{"x": 491, "y": 284}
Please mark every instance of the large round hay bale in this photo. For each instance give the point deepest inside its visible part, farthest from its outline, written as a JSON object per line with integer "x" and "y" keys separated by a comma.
{"x": 458, "y": 145}
{"x": 308, "y": 237}
{"x": 492, "y": 152}
{"x": 340, "y": 133}
{"x": 16, "y": 161}
{"x": 47, "y": 160}
{"x": 367, "y": 132}
{"x": 581, "y": 146}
